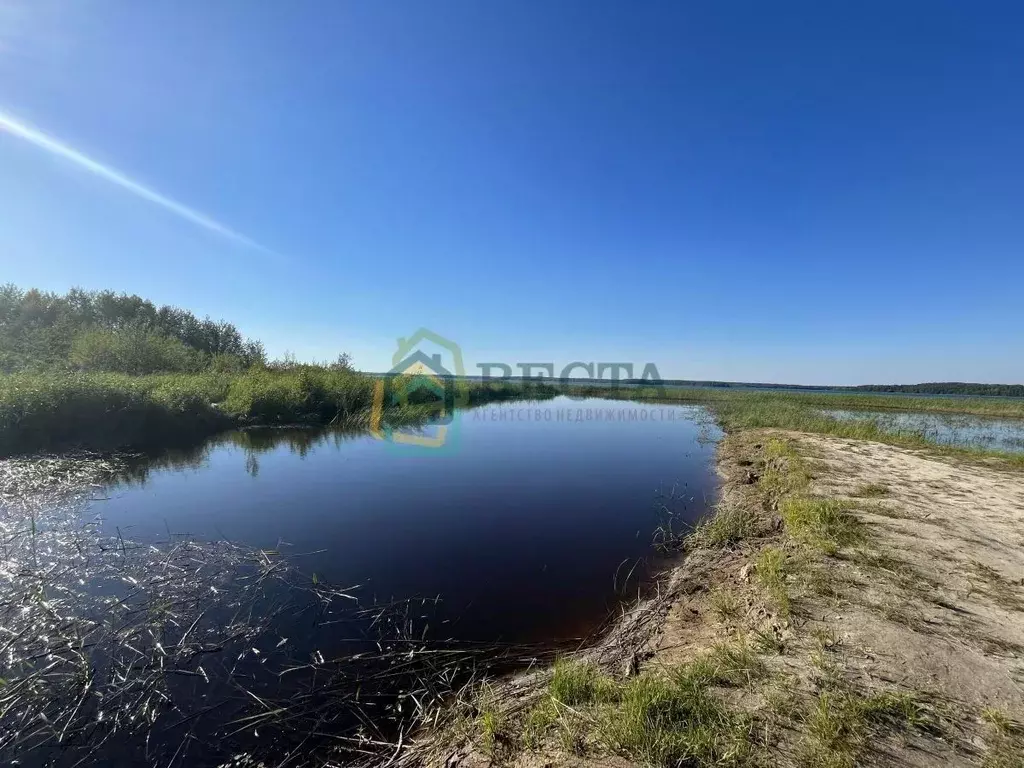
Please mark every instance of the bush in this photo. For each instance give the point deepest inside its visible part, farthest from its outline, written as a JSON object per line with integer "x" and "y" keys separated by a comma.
{"x": 133, "y": 351}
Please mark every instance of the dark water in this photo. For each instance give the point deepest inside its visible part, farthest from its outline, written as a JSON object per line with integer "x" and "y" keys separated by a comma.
{"x": 948, "y": 429}
{"x": 526, "y": 522}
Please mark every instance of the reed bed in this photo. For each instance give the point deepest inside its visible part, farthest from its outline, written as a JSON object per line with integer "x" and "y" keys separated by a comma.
{"x": 112, "y": 411}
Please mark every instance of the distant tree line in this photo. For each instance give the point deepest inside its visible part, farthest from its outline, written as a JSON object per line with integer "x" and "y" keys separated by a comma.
{"x": 949, "y": 388}
{"x": 107, "y": 331}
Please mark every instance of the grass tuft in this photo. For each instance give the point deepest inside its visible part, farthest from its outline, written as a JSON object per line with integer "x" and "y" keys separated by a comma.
{"x": 826, "y": 524}
{"x": 667, "y": 720}
{"x": 726, "y": 526}
{"x": 770, "y": 571}
{"x": 575, "y": 682}
{"x": 725, "y": 604}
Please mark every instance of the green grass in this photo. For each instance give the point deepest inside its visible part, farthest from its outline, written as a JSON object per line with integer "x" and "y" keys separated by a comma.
{"x": 725, "y": 604}
{"x": 826, "y": 524}
{"x": 660, "y": 718}
{"x": 1004, "y": 741}
{"x": 725, "y": 526}
{"x": 574, "y": 682}
{"x": 42, "y": 411}
{"x": 753, "y": 406}
{"x": 490, "y": 729}
{"x": 770, "y": 570}
{"x": 675, "y": 719}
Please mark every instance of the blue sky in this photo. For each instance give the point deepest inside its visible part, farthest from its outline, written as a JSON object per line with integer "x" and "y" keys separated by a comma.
{"x": 811, "y": 192}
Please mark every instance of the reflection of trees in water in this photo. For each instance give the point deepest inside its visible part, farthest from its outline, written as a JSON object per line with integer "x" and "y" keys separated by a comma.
{"x": 253, "y": 443}
{"x": 257, "y": 441}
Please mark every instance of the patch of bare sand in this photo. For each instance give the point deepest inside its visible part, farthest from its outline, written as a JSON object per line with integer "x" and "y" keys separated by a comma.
{"x": 949, "y": 614}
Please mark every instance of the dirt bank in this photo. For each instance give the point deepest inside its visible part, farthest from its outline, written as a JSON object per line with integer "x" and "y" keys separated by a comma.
{"x": 852, "y": 603}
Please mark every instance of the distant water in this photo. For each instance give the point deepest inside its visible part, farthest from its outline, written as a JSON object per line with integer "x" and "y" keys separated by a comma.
{"x": 947, "y": 429}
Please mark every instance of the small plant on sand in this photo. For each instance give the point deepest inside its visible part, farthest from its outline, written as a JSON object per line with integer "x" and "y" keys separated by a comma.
{"x": 490, "y": 729}
{"x": 728, "y": 664}
{"x": 726, "y": 526}
{"x": 770, "y": 571}
{"x": 784, "y": 471}
{"x": 768, "y": 640}
{"x": 1005, "y": 742}
{"x": 997, "y": 718}
{"x": 841, "y": 720}
{"x": 826, "y": 524}
{"x": 576, "y": 682}
{"x": 538, "y": 720}
{"x": 725, "y": 604}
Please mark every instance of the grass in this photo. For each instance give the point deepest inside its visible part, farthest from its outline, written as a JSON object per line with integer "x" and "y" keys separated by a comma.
{"x": 840, "y": 722}
{"x": 725, "y": 604}
{"x": 770, "y": 570}
{"x": 663, "y": 717}
{"x": 44, "y": 411}
{"x": 784, "y": 472}
{"x": 824, "y": 523}
{"x": 998, "y": 719}
{"x": 726, "y": 526}
{"x": 490, "y": 729}
{"x": 804, "y": 412}
{"x": 667, "y": 720}
{"x": 575, "y": 683}
{"x": 871, "y": 491}
{"x": 752, "y": 406}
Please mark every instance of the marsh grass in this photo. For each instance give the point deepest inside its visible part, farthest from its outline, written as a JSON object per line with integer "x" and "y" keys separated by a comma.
{"x": 755, "y": 406}
{"x": 804, "y": 412}
{"x": 110, "y": 411}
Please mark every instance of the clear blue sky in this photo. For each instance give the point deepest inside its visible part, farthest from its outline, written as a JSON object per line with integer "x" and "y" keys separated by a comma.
{"x": 791, "y": 191}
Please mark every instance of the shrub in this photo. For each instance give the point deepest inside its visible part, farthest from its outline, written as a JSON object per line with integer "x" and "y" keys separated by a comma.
{"x": 133, "y": 351}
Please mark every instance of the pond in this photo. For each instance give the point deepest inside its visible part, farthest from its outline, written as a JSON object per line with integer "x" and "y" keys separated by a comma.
{"x": 946, "y": 428}
{"x": 526, "y": 525}
{"x": 224, "y": 603}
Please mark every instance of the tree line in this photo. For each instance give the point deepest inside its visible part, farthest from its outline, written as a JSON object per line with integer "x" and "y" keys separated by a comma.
{"x": 108, "y": 331}
{"x": 949, "y": 388}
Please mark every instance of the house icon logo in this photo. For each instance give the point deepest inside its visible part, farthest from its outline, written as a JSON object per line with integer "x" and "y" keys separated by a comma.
{"x": 417, "y": 378}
